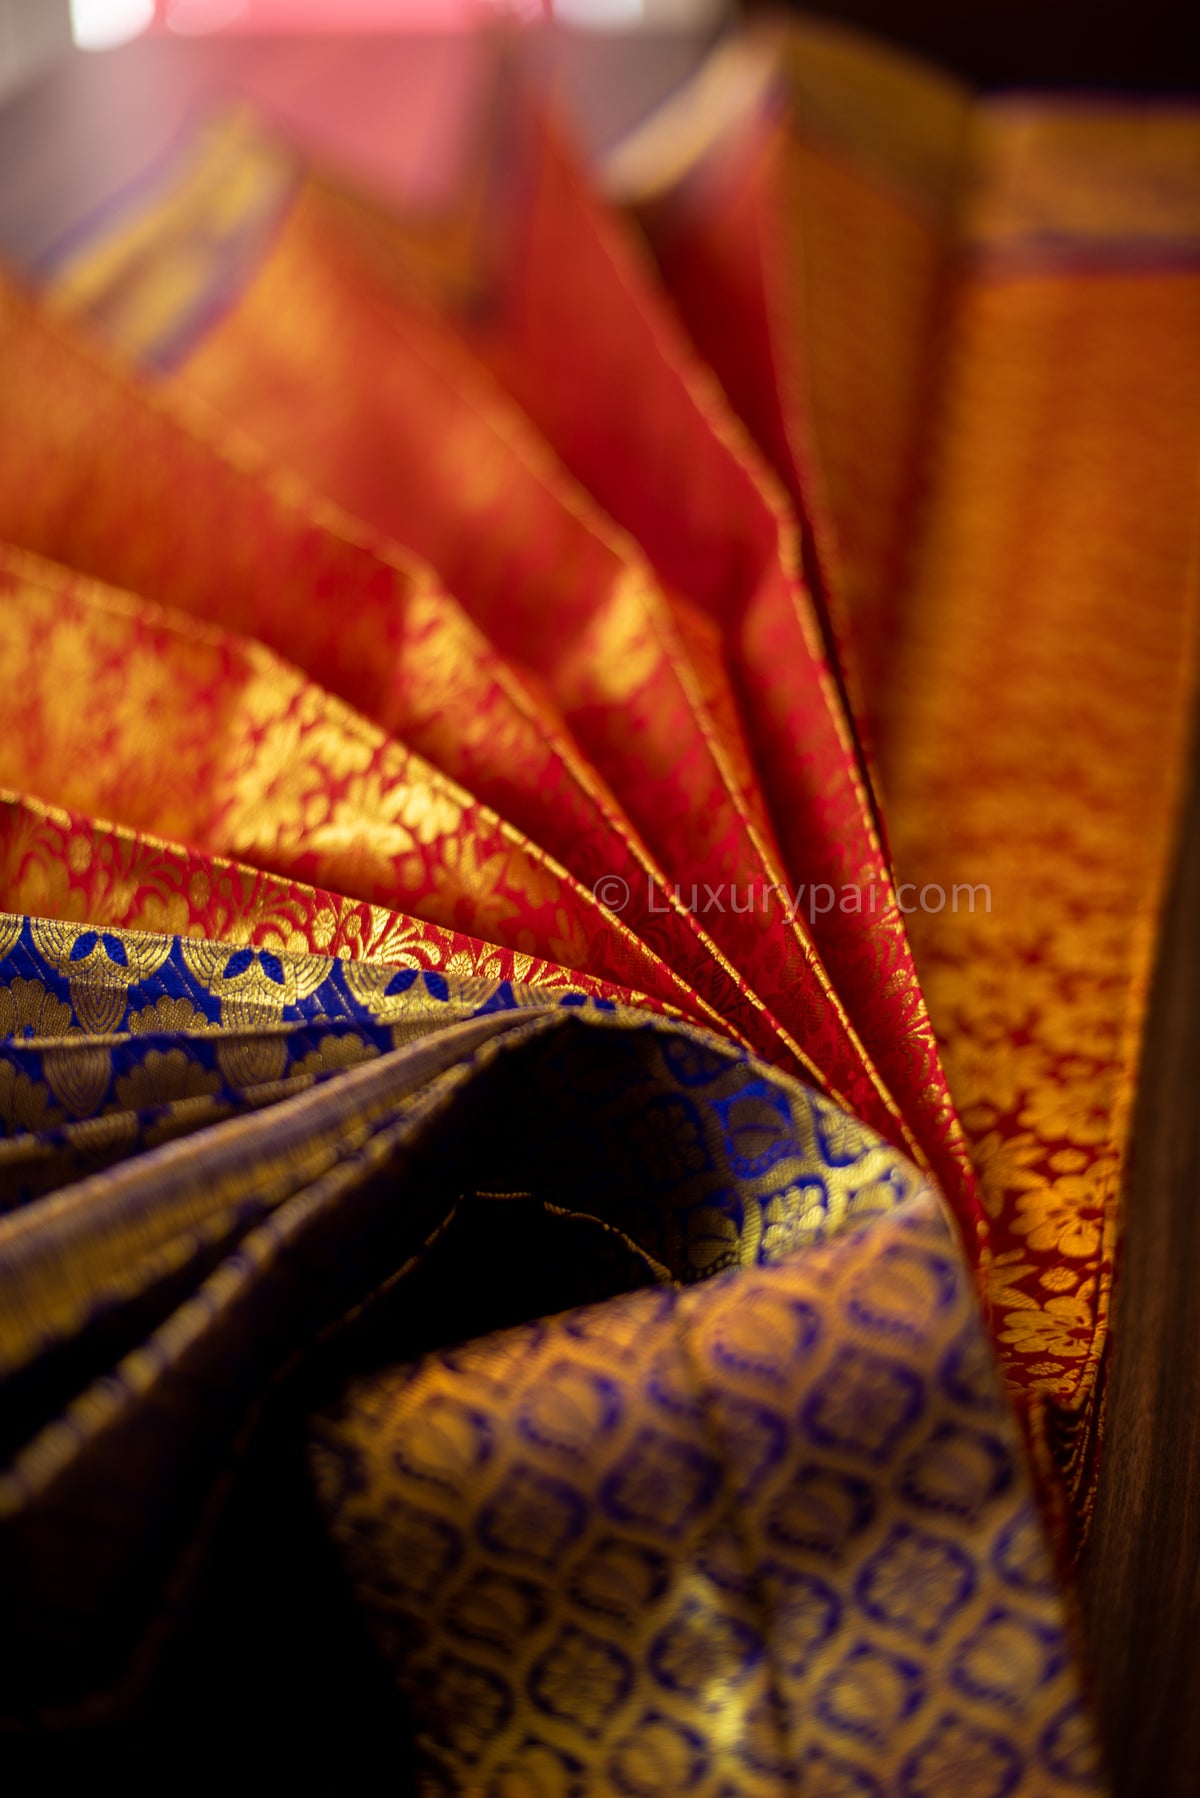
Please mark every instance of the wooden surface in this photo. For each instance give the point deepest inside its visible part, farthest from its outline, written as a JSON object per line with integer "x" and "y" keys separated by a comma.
{"x": 1141, "y": 1569}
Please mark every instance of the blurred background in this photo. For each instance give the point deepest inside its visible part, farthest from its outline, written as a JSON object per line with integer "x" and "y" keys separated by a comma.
{"x": 92, "y": 91}
{"x": 1148, "y": 43}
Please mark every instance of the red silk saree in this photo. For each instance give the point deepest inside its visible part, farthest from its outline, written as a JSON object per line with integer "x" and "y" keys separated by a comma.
{"x": 588, "y": 782}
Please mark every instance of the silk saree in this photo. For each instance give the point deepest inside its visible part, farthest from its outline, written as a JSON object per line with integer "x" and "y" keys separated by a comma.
{"x": 587, "y": 784}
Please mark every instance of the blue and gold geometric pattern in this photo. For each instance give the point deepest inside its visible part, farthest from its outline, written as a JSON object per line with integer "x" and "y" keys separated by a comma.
{"x": 762, "y": 1524}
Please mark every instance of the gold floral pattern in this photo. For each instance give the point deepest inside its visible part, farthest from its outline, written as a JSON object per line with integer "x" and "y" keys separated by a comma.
{"x": 164, "y": 1077}
{"x": 223, "y": 698}
{"x": 27, "y": 1008}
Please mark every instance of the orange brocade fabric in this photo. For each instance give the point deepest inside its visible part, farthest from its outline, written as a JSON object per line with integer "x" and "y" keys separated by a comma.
{"x": 1010, "y": 291}
{"x": 764, "y": 596}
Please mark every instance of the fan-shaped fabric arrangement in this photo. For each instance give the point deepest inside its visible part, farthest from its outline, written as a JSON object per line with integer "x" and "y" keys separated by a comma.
{"x": 587, "y": 784}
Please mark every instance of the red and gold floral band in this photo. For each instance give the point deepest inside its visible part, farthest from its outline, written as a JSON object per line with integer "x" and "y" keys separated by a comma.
{"x": 331, "y": 348}
{"x": 968, "y": 342}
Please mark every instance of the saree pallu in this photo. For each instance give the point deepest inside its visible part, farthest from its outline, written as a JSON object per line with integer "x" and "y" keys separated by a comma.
{"x": 968, "y": 347}
{"x": 487, "y": 800}
{"x": 648, "y": 694}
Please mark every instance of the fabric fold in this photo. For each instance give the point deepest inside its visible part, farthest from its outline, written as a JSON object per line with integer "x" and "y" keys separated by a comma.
{"x": 704, "y": 1521}
{"x": 586, "y": 784}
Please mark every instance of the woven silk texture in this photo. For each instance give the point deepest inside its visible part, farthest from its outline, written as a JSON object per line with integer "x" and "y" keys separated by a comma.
{"x": 586, "y": 786}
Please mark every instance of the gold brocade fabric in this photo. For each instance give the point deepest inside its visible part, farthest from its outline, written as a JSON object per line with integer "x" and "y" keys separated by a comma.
{"x": 1070, "y": 686}
{"x": 318, "y": 361}
{"x": 752, "y": 1523}
{"x": 585, "y": 790}
{"x": 972, "y": 331}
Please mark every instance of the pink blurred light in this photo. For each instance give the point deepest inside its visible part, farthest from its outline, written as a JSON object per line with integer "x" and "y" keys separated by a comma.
{"x": 197, "y": 18}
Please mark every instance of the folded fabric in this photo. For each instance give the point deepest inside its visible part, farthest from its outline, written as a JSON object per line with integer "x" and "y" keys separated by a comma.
{"x": 586, "y": 789}
{"x": 755, "y": 1530}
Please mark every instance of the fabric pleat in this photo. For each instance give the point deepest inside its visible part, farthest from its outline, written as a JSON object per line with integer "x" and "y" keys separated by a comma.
{"x": 586, "y": 786}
